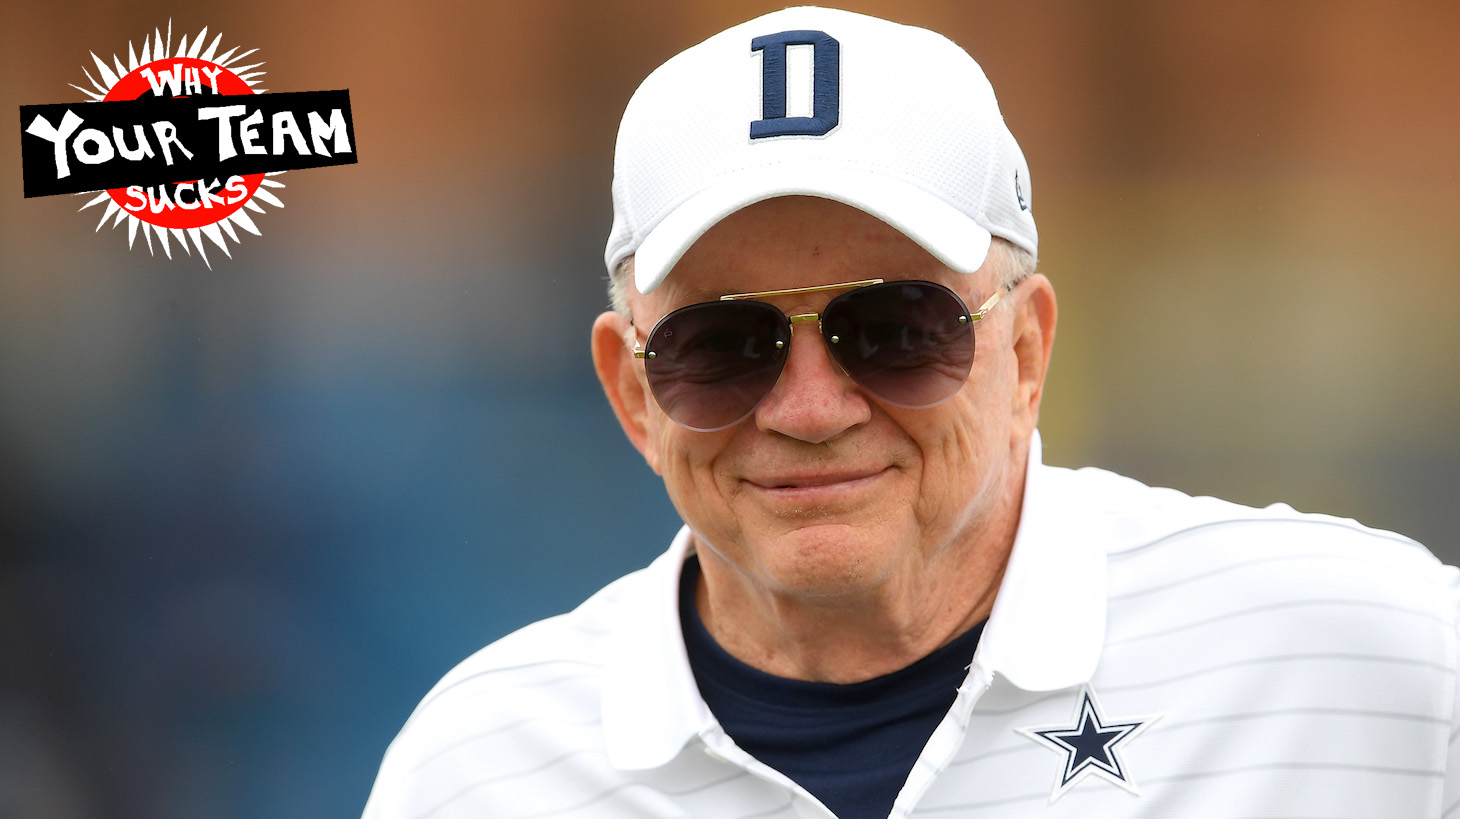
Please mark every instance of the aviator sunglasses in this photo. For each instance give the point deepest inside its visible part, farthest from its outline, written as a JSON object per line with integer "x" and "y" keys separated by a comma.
{"x": 908, "y": 343}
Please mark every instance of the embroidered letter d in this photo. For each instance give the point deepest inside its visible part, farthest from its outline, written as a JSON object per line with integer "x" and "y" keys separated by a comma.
{"x": 825, "y": 85}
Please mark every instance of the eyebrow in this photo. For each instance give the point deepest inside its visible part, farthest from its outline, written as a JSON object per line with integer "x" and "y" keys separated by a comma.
{"x": 701, "y": 294}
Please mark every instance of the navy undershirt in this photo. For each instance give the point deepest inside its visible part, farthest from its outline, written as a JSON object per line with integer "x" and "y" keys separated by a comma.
{"x": 852, "y": 746}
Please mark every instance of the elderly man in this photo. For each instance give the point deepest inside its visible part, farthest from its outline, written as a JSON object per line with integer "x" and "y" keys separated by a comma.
{"x": 830, "y": 342}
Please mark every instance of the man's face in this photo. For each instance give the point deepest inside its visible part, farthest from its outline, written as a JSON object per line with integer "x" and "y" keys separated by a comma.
{"x": 825, "y": 490}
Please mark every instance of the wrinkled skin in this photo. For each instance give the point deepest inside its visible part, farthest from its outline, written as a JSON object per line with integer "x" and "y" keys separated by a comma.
{"x": 841, "y": 538}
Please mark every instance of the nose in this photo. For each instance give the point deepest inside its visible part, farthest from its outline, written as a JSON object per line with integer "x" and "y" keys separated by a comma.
{"x": 814, "y": 401}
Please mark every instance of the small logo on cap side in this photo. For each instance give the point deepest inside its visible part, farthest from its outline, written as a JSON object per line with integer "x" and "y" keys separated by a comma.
{"x": 1019, "y": 192}
{"x": 825, "y": 87}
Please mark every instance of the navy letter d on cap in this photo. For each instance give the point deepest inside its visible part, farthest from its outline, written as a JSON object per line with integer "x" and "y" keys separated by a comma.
{"x": 825, "y": 85}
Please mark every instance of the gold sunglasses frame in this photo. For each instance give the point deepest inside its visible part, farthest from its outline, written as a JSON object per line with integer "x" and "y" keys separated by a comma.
{"x": 968, "y": 318}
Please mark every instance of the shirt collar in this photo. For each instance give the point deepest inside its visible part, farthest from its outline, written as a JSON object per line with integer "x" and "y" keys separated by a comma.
{"x": 1048, "y": 623}
{"x": 1045, "y": 632}
{"x": 651, "y": 704}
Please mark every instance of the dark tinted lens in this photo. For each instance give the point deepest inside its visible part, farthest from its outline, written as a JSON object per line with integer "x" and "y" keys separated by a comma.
{"x": 710, "y": 364}
{"x": 902, "y": 341}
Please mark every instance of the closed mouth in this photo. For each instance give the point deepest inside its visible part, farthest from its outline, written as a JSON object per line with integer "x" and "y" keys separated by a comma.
{"x": 818, "y": 479}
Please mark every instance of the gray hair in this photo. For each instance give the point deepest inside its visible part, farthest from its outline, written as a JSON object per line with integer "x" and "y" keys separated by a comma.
{"x": 619, "y": 282}
{"x": 1013, "y": 264}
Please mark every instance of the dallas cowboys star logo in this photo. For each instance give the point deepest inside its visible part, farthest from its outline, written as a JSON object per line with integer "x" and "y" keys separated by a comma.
{"x": 1092, "y": 746}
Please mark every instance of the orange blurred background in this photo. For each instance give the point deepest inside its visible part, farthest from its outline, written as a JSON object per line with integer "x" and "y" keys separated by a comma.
{"x": 372, "y": 436}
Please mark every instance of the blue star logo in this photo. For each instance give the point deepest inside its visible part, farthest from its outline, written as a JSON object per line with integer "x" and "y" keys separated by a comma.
{"x": 1092, "y": 746}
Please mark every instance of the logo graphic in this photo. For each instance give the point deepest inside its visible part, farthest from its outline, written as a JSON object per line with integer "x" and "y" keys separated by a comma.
{"x": 825, "y": 85}
{"x": 179, "y": 143}
{"x": 1019, "y": 191}
{"x": 1091, "y": 746}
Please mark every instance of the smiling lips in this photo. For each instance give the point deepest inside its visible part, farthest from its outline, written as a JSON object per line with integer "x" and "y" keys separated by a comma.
{"x": 817, "y": 480}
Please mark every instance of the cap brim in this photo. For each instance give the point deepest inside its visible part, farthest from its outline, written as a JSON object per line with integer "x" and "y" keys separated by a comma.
{"x": 941, "y": 229}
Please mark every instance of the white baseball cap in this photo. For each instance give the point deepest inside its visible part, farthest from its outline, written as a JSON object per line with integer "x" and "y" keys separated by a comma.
{"x": 894, "y": 120}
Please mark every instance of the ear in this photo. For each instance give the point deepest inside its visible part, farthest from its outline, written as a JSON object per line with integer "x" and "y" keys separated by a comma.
{"x": 1034, "y": 325}
{"x": 621, "y": 377}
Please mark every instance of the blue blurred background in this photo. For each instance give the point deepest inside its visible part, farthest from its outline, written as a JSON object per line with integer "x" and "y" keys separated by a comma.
{"x": 249, "y": 514}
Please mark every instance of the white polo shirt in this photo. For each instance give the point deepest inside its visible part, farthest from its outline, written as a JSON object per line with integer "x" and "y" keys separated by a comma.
{"x": 1149, "y": 654}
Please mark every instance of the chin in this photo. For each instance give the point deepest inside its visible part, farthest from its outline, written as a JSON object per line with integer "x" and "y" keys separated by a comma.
{"x": 828, "y": 560}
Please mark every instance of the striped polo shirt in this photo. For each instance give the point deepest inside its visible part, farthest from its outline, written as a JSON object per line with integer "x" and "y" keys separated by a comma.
{"x": 1149, "y": 654}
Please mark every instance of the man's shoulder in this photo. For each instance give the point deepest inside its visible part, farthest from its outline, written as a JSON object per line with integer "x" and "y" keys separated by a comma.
{"x": 1136, "y": 519}
{"x": 1169, "y": 548}
{"x": 542, "y": 680}
{"x": 569, "y": 646}
{"x": 1282, "y": 652}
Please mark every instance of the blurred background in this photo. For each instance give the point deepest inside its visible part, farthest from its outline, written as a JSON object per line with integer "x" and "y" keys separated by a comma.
{"x": 249, "y": 514}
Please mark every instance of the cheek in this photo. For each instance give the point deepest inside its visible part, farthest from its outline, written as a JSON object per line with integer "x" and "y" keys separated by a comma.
{"x": 686, "y": 462}
{"x": 656, "y": 453}
{"x": 964, "y": 451}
